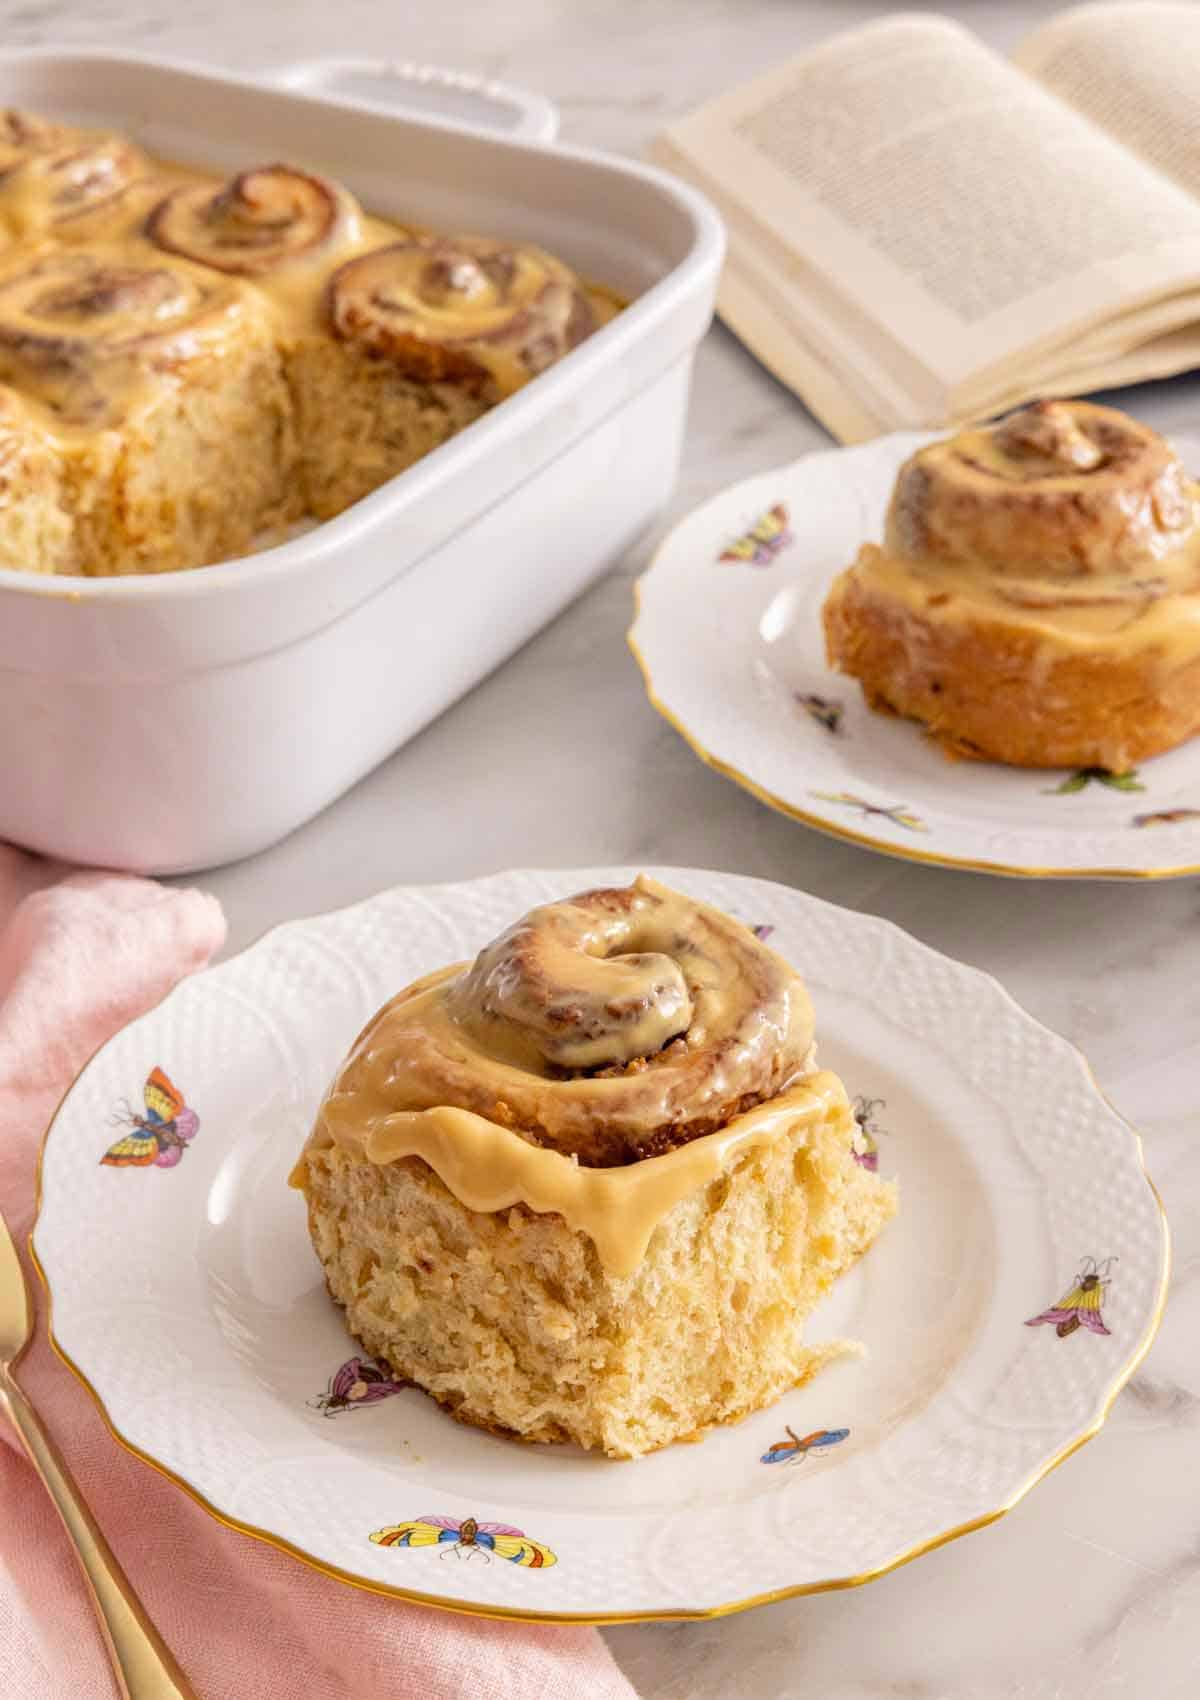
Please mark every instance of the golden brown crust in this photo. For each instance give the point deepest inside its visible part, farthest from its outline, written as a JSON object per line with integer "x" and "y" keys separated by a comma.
{"x": 970, "y": 684}
{"x": 1036, "y": 600}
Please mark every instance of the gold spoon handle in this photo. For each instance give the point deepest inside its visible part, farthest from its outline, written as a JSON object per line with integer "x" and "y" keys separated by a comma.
{"x": 141, "y": 1659}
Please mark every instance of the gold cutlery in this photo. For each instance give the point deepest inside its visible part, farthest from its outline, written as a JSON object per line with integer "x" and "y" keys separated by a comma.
{"x": 141, "y": 1659}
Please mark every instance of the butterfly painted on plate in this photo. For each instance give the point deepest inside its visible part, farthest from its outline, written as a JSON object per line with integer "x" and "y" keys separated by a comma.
{"x": 474, "y": 1539}
{"x": 867, "y": 1147}
{"x": 826, "y": 711}
{"x": 1166, "y": 817}
{"x": 759, "y": 546}
{"x": 796, "y": 1448}
{"x": 359, "y": 1382}
{"x": 763, "y": 930}
{"x": 161, "y": 1135}
{"x": 896, "y": 812}
{"x": 1080, "y": 1308}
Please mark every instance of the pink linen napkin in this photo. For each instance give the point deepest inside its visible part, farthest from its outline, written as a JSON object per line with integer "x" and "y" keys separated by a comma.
{"x": 80, "y": 954}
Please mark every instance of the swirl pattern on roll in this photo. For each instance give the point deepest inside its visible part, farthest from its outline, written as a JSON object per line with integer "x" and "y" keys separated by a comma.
{"x": 1059, "y": 502}
{"x": 68, "y": 315}
{"x": 258, "y": 222}
{"x": 613, "y": 1026}
{"x": 461, "y": 309}
{"x": 68, "y": 176}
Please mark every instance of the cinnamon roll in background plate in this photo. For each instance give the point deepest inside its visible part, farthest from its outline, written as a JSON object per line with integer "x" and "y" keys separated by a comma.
{"x": 1036, "y": 598}
{"x": 590, "y": 1186}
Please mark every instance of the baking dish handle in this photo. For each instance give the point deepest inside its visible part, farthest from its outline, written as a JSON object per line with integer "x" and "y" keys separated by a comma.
{"x": 425, "y": 91}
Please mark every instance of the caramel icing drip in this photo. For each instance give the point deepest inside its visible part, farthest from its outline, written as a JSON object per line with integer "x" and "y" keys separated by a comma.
{"x": 461, "y": 308}
{"x": 259, "y": 222}
{"x": 1066, "y": 521}
{"x": 490, "y": 1167}
{"x": 80, "y": 330}
{"x": 611, "y": 1027}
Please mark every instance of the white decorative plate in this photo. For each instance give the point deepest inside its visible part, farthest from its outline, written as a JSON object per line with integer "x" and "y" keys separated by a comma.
{"x": 728, "y": 636}
{"x": 185, "y": 1293}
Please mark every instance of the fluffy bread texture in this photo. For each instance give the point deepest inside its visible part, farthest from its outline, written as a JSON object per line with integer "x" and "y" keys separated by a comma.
{"x": 203, "y": 473}
{"x": 35, "y": 528}
{"x": 361, "y": 421}
{"x": 511, "y": 1322}
{"x": 987, "y": 690}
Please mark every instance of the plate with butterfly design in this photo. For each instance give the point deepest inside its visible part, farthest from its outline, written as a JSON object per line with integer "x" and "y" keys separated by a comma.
{"x": 729, "y": 640}
{"x": 1000, "y": 1312}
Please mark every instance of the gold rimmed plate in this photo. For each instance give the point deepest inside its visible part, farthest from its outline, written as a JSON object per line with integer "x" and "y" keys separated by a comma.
{"x": 728, "y": 636}
{"x": 1001, "y": 1312}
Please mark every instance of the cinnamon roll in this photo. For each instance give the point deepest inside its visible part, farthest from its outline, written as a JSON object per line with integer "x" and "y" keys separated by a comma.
{"x": 589, "y": 1186}
{"x": 164, "y": 392}
{"x": 426, "y": 335}
{"x": 1036, "y": 599}
{"x": 259, "y": 222}
{"x": 75, "y": 185}
{"x": 205, "y": 363}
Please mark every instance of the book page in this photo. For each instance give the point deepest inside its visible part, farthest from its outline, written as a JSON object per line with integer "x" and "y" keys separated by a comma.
{"x": 1135, "y": 71}
{"x": 952, "y": 213}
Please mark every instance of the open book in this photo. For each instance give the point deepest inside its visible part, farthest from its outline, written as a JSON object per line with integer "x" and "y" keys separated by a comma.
{"x": 922, "y": 233}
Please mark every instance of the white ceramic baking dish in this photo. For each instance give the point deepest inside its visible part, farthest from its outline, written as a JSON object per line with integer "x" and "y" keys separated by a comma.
{"x": 171, "y": 723}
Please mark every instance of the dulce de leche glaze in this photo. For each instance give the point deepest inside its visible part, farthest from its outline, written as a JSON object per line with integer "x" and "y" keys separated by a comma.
{"x": 611, "y": 1027}
{"x": 488, "y": 1167}
{"x": 309, "y": 262}
{"x": 1064, "y": 518}
{"x": 462, "y": 308}
{"x": 84, "y": 331}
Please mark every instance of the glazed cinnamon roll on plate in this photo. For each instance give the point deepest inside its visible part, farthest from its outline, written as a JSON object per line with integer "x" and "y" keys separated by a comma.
{"x": 590, "y": 1186}
{"x": 1036, "y": 598}
{"x": 1024, "y": 593}
{"x": 583, "y": 1187}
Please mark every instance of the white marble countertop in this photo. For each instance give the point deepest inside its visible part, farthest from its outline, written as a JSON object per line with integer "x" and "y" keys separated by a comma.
{"x": 1090, "y": 1590}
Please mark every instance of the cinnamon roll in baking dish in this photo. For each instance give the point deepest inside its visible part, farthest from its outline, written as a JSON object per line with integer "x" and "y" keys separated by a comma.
{"x": 427, "y": 334}
{"x": 589, "y": 1187}
{"x": 1036, "y": 599}
{"x": 159, "y": 393}
{"x": 207, "y": 362}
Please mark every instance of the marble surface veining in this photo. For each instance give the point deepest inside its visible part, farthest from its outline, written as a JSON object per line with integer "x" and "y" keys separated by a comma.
{"x": 1090, "y": 1590}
